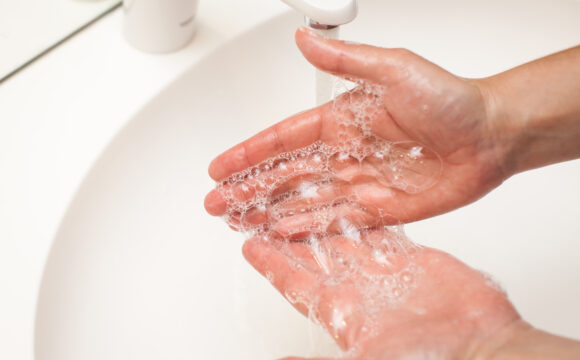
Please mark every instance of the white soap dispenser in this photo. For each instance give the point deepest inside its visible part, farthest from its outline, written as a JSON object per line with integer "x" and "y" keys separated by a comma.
{"x": 159, "y": 26}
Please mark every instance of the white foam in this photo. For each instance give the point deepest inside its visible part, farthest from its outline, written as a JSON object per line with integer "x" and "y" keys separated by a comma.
{"x": 297, "y": 183}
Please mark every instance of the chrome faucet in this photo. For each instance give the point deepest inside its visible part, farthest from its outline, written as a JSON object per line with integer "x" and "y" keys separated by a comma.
{"x": 325, "y": 14}
{"x": 325, "y": 17}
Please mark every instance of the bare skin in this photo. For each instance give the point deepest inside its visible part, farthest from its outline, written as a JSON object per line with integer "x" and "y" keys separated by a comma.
{"x": 428, "y": 323}
{"x": 484, "y": 131}
{"x": 455, "y": 128}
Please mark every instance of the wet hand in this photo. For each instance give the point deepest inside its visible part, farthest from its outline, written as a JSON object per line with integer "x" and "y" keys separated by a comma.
{"x": 434, "y": 127}
{"x": 382, "y": 297}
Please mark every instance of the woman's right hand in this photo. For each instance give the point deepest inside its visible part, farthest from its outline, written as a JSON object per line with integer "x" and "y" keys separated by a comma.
{"x": 444, "y": 152}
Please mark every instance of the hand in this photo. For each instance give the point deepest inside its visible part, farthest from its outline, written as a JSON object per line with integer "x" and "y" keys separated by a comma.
{"x": 409, "y": 303}
{"x": 444, "y": 146}
{"x": 411, "y": 106}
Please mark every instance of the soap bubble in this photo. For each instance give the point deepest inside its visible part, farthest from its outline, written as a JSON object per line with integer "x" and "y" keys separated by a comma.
{"x": 318, "y": 196}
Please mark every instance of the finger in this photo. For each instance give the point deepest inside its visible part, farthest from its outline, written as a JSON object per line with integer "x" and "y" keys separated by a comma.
{"x": 300, "y": 358}
{"x": 339, "y": 207}
{"x": 385, "y": 66}
{"x": 346, "y": 218}
{"x": 350, "y": 185}
{"x": 313, "y": 196}
{"x": 299, "y": 215}
{"x": 372, "y": 183}
{"x": 214, "y": 203}
{"x": 307, "y": 179}
{"x": 296, "y": 283}
{"x": 254, "y": 220}
{"x": 344, "y": 177}
{"x": 271, "y": 181}
{"x": 298, "y": 131}
{"x": 269, "y": 209}
{"x": 390, "y": 251}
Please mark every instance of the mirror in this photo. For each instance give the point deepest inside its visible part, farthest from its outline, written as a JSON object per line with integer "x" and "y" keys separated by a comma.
{"x": 31, "y": 28}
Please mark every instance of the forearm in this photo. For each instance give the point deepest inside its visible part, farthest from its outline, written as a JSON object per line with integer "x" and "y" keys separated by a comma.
{"x": 522, "y": 341}
{"x": 534, "y": 111}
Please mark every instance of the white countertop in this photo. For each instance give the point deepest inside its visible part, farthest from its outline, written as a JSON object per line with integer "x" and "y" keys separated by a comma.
{"x": 30, "y": 27}
{"x": 57, "y": 116}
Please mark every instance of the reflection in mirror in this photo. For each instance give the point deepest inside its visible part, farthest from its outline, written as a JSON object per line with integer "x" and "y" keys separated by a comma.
{"x": 31, "y": 28}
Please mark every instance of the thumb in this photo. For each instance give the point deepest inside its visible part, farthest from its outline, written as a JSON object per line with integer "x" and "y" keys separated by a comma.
{"x": 378, "y": 65}
{"x": 299, "y": 358}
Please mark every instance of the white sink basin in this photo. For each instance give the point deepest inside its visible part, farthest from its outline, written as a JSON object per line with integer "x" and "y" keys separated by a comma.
{"x": 138, "y": 270}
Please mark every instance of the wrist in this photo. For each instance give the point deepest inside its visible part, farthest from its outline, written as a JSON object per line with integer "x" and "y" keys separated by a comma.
{"x": 520, "y": 340}
{"x": 533, "y": 113}
{"x": 503, "y": 130}
{"x": 498, "y": 346}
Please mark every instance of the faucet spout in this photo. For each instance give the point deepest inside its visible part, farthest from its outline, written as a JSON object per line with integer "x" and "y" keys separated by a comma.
{"x": 325, "y": 17}
{"x": 330, "y": 13}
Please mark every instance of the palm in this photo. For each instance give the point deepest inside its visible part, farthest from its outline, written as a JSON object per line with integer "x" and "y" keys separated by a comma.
{"x": 433, "y": 303}
{"x": 417, "y": 106}
{"x": 447, "y": 115}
